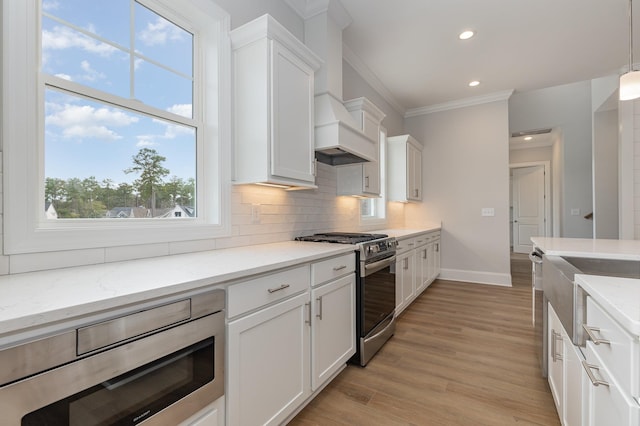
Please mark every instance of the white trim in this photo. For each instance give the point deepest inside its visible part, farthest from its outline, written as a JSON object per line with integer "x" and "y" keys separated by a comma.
{"x": 24, "y": 229}
{"x": 478, "y": 277}
{"x": 368, "y": 76}
{"x": 461, "y": 103}
{"x": 547, "y": 189}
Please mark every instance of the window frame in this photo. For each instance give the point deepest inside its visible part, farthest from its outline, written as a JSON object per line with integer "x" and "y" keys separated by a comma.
{"x": 25, "y": 227}
{"x": 379, "y": 218}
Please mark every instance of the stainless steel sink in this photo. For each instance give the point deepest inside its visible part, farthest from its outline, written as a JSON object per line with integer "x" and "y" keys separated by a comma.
{"x": 606, "y": 267}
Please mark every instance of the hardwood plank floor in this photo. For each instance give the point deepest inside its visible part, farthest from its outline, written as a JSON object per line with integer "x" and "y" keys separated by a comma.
{"x": 462, "y": 354}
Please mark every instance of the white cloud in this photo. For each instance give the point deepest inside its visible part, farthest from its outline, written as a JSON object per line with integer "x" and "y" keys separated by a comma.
{"x": 84, "y": 121}
{"x": 146, "y": 141}
{"x": 90, "y": 73}
{"x": 183, "y": 110}
{"x": 94, "y": 132}
{"x": 64, "y": 76}
{"x": 159, "y": 32}
{"x": 64, "y": 38}
{"x": 50, "y": 5}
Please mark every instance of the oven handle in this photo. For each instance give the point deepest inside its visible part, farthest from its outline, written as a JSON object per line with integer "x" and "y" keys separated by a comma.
{"x": 379, "y": 265}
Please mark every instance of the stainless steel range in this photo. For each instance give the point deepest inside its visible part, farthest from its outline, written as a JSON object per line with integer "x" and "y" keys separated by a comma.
{"x": 375, "y": 288}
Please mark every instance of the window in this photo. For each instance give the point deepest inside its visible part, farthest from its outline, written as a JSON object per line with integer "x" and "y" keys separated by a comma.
{"x": 118, "y": 122}
{"x": 373, "y": 210}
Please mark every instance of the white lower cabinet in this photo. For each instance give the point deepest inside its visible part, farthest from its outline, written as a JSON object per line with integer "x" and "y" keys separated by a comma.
{"x": 555, "y": 354}
{"x": 613, "y": 367}
{"x": 288, "y": 334}
{"x": 333, "y": 331}
{"x": 212, "y": 415}
{"x": 566, "y": 377}
{"x": 268, "y": 363}
{"x": 405, "y": 280}
{"x": 417, "y": 266}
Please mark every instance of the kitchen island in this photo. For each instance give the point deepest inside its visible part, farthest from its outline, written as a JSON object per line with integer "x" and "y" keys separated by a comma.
{"x": 586, "y": 247}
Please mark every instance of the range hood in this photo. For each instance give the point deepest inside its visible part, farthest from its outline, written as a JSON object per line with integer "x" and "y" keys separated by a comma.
{"x": 338, "y": 137}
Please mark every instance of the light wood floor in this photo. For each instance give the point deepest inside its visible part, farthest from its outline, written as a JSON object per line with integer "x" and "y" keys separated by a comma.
{"x": 463, "y": 354}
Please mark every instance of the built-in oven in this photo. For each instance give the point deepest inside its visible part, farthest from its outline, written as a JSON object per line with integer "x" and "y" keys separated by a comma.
{"x": 156, "y": 365}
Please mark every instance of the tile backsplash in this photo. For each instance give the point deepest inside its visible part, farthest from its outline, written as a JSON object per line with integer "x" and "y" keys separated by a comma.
{"x": 259, "y": 215}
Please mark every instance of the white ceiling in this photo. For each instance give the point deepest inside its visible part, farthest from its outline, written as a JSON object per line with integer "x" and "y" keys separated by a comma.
{"x": 412, "y": 46}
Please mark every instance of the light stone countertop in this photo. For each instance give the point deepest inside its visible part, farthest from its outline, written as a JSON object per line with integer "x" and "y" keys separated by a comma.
{"x": 620, "y": 297}
{"x": 586, "y": 247}
{"x": 408, "y": 233}
{"x": 35, "y": 299}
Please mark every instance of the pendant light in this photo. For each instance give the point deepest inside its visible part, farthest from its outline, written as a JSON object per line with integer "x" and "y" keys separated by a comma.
{"x": 630, "y": 81}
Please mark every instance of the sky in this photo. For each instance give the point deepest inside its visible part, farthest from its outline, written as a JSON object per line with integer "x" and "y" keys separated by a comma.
{"x": 93, "y": 43}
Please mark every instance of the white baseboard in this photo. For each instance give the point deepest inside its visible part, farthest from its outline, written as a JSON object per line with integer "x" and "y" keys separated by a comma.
{"x": 479, "y": 277}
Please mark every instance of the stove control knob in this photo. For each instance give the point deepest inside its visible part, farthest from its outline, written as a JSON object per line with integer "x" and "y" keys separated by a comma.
{"x": 373, "y": 249}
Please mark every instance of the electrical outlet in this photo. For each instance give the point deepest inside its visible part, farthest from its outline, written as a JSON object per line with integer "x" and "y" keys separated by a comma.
{"x": 255, "y": 213}
{"x": 488, "y": 211}
{"x": 575, "y": 212}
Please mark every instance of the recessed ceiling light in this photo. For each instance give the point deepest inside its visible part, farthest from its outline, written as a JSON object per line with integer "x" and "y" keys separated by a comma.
{"x": 474, "y": 83}
{"x": 466, "y": 35}
{"x": 528, "y": 138}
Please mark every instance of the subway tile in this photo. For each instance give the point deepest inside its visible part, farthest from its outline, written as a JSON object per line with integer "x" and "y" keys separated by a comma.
{"x": 29, "y": 262}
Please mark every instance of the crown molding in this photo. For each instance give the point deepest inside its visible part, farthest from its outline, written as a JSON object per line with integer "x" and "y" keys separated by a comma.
{"x": 356, "y": 63}
{"x": 307, "y": 9}
{"x": 461, "y": 103}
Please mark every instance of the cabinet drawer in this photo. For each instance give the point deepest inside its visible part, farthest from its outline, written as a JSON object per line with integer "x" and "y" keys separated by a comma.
{"x": 607, "y": 403}
{"x": 249, "y": 295}
{"x": 421, "y": 240}
{"x": 335, "y": 267}
{"x": 405, "y": 244}
{"x": 621, "y": 353}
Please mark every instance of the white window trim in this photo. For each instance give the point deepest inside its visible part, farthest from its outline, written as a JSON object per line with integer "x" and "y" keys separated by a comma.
{"x": 381, "y": 202}
{"x": 24, "y": 225}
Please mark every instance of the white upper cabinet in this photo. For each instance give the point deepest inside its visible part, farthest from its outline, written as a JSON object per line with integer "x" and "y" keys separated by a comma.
{"x": 363, "y": 179}
{"x": 404, "y": 170}
{"x": 273, "y": 106}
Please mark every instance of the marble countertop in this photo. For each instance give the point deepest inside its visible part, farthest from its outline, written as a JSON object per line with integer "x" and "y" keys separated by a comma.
{"x": 35, "y": 299}
{"x": 586, "y": 247}
{"x": 407, "y": 233}
{"x": 620, "y": 297}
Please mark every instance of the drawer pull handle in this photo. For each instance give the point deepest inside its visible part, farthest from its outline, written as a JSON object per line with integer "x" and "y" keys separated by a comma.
{"x": 555, "y": 336}
{"x": 424, "y": 253}
{"x": 589, "y": 369}
{"x": 319, "y": 314}
{"x": 282, "y": 287}
{"x": 339, "y": 268}
{"x": 411, "y": 244}
{"x": 595, "y": 339}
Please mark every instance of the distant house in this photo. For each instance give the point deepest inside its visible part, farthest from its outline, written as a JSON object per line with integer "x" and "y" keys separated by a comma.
{"x": 50, "y": 211}
{"x": 128, "y": 212}
{"x": 177, "y": 211}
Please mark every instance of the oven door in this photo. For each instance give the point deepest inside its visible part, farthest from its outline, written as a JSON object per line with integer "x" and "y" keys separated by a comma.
{"x": 160, "y": 379}
{"x": 377, "y": 307}
{"x": 378, "y": 292}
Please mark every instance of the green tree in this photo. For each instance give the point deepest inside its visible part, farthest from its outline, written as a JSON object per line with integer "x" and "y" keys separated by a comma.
{"x": 147, "y": 163}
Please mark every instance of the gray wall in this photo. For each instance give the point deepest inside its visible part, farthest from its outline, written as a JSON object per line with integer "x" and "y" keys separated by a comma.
{"x": 605, "y": 174}
{"x": 466, "y": 168}
{"x": 567, "y": 108}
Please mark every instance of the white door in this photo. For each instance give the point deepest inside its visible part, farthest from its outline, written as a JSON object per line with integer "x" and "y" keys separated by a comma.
{"x": 528, "y": 200}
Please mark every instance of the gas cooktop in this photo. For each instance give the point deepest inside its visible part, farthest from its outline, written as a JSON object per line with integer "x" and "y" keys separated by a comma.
{"x": 341, "y": 237}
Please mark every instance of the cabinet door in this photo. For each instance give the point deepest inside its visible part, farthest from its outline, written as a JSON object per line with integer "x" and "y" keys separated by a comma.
{"x": 573, "y": 384}
{"x": 292, "y": 140}
{"x": 268, "y": 363}
{"x": 414, "y": 173}
{"x": 555, "y": 354}
{"x": 371, "y": 178}
{"x": 405, "y": 280}
{"x": 423, "y": 260}
{"x": 333, "y": 333}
